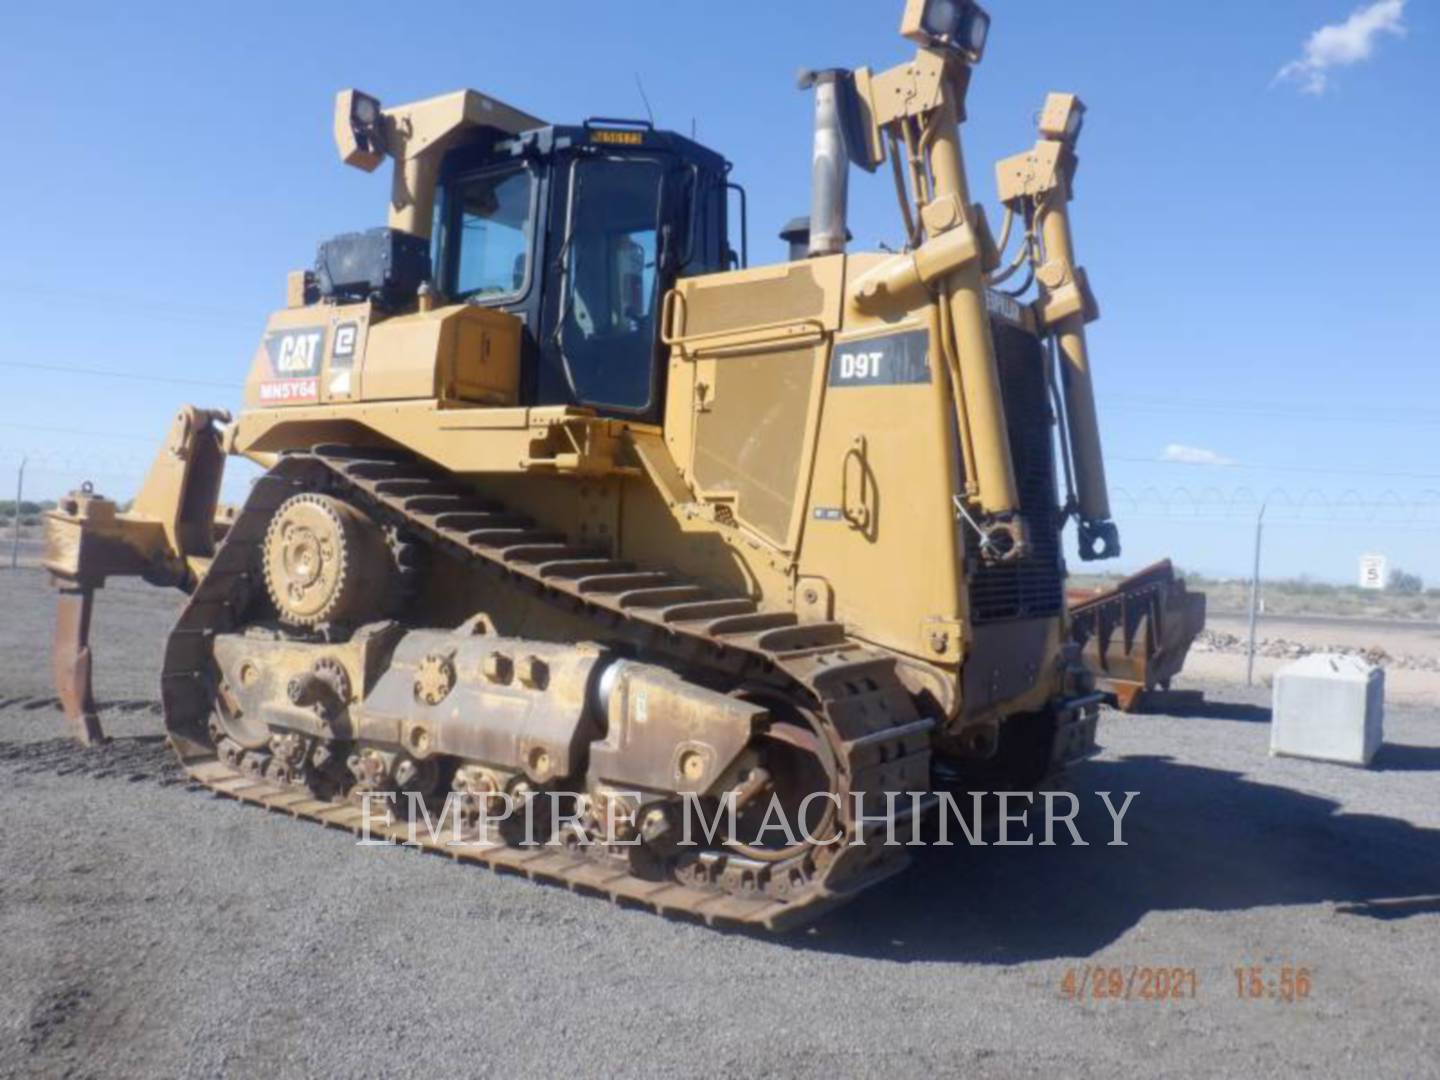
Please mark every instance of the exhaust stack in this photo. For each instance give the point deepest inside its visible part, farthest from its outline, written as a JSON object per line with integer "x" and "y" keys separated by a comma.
{"x": 830, "y": 164}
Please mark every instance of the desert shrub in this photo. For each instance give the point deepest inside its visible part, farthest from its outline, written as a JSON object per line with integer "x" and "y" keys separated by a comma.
{"x": 1406, "y": 583}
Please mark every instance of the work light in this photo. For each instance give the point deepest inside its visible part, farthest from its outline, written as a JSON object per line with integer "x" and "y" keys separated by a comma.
{"x": 359, "y": 130}
{"x": 366, "y": 110}
{"x": 1062, "y": 118}
{"x": 962, "y": 25}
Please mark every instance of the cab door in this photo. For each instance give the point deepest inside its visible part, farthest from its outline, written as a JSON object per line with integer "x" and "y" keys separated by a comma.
{"x": 626, "y": 229}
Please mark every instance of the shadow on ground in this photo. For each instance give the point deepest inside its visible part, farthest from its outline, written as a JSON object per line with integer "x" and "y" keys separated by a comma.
{"x": 123, "y": 708}
{"x": 134, "y": 759}
{"x": 1392, "y": 758}
{"x": 1198, "y": 839}
{"x": 1390, "y": 910}
{"x": 1193, "y": 705}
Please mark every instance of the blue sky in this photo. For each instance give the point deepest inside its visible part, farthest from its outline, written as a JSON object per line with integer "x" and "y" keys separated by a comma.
{"x": 1265, "y": 254}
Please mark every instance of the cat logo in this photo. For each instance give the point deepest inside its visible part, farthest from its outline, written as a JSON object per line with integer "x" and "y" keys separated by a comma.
{"x": 295, "y": 357}
{"x": 345, "y": 340}
{"x": 296, "y": 353}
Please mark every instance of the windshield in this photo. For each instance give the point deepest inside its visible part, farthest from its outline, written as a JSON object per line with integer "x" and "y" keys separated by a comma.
{"x": 607, "y": 330}
{"x": 492, "y": 223}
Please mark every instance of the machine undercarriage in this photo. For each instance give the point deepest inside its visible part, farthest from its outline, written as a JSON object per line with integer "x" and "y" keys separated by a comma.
{"x": 308, "y": 720}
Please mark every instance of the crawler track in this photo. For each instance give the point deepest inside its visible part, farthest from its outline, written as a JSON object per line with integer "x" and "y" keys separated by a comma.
{"x": 872, "y": 734}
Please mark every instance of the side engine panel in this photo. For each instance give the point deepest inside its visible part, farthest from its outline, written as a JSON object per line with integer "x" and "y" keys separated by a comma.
{"x": 344, "y": 353}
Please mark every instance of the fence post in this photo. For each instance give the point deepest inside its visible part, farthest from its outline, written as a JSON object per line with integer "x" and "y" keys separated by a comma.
{"x": 1255, "y": 596}
{"x": 19, "y": 496}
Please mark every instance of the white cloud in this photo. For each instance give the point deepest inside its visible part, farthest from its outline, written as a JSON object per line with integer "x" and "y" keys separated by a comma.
{"x": 1343, "y": 44}
{"x": 1194, "y": 455}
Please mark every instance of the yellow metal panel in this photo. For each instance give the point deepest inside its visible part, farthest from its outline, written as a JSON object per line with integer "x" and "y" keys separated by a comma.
{"x": 754, "y": 435}
{"x": 486, "y": 357}
{"x": 401, "y": 358}
{"x": 746, "y": 299}
{"x": 460, "y": 353}
{"x": 745, "y": 386}
{"x": 467, "y": 440}
{"x": 880, "y": 525}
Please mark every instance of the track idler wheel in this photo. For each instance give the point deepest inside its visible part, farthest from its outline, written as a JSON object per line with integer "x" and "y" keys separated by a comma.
{"x": 325, "y": 561}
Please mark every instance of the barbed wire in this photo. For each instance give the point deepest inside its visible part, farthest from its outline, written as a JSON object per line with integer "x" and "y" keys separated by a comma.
{"x": 1311, "y": 506}
{"x": 1242, "y": 527}
{"x": 150, "y": 308}
{"x": 1313, "y": 470}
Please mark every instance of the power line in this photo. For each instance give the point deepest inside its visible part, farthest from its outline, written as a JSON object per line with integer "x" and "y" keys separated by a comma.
{"x": 64, "y": 369}
{"x": 166, "y": 306}
{"x": 155, "y": 438}
{"x": 1313, "y": 469}
{"x": 1282, "y": 411}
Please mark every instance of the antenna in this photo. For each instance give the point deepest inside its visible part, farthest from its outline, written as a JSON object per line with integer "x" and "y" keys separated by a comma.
{"x": 641, "y": 87}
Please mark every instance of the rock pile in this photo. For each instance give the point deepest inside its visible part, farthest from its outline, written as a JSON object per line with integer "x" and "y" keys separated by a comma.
{"x": 1281, "y": 649}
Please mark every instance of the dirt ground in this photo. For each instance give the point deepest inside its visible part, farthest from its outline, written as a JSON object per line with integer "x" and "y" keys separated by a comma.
{"x": 149, "y": 929}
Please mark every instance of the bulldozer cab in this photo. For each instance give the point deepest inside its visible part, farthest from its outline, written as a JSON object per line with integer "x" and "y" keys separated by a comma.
{"x": 580, "y": 232}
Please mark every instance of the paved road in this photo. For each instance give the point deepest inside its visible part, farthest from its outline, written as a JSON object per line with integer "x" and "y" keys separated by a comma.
{"x": 30, "y": 552}
{"x": 147, "y": 929}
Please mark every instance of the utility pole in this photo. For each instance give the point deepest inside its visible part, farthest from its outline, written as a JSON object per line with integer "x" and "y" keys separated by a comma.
{"x": 1255, "y": 596}
{"x": 19, "y": 495}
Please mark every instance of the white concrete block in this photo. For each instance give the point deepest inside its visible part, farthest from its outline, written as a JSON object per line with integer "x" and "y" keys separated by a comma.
{"x": 1330, "y": 708}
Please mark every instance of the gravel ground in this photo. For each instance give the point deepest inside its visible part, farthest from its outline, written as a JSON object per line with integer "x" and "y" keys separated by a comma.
{"x": 150, "y": 929}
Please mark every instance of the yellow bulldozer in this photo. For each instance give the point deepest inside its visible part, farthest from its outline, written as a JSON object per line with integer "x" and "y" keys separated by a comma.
{"x": 562, "y": 498}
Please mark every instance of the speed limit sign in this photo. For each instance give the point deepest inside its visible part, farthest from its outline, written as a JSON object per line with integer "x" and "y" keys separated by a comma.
{"x": 1372, "y": 572}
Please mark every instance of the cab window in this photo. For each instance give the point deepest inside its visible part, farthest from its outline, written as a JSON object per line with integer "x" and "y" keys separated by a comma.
{"x": 491, "y": 229}
{"x": 610, "y": 294}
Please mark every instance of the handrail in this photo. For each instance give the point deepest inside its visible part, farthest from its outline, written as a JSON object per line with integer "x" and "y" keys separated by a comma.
{"x": 744, "y": 337}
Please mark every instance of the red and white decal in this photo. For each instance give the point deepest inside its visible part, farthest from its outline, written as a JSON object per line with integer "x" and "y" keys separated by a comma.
{"x": 283, "y": 390}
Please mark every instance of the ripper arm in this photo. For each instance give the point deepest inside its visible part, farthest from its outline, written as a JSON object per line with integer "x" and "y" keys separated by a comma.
{"x": 167, "y": 537}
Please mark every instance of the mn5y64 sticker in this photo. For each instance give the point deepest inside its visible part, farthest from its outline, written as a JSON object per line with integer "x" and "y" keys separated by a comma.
{"x": 295, "y": 357}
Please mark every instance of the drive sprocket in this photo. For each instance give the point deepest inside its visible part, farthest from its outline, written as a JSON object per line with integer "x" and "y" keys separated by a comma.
{"x": 326, "y": 561}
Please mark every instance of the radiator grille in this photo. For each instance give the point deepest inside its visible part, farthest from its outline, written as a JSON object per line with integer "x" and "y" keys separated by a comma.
{"x": 1033, "y": 587}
